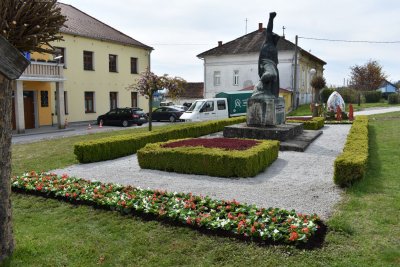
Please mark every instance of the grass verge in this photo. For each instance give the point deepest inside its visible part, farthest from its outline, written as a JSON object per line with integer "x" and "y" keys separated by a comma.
{"x": 363, "y": 231}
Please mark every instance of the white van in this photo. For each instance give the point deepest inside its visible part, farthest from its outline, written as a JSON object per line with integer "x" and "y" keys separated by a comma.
{"x": 206, "y": 109}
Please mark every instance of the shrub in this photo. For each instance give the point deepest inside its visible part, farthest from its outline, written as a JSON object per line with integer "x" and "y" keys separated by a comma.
{"x": 372, "y": 96}
{"x": 315, "y": 123}
{"x": 349, "y": 95}
{"x": 350, "y": 166}
{"x": 325, "y": 93}
{"x": 123, "y": 145}
{"x": 209, "y": 161}
{"x": 394, "y": 98}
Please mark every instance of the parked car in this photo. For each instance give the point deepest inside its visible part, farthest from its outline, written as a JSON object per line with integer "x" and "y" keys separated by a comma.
{"x": 168, "y": 113}
{"x": 123, "y": 116}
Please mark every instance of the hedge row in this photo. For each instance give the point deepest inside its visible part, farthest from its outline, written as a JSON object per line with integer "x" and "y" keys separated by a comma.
{"x": 372, "y": 96}
{"x": 394, "y": 98}
{"x": 350, "y": 166}
{"x": 315, "y": 123}
{"x": 209, "y": 161}
{"x": 124, "y": 145}
{"x": 231, "y": 218}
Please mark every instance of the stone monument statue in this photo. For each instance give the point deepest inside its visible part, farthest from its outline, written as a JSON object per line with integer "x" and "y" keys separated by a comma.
{"x": 265, "y": 107}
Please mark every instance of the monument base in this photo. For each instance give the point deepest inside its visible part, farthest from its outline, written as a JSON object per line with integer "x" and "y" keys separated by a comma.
{"x": 265, "y": 111}
{"x": 281, "y": 132}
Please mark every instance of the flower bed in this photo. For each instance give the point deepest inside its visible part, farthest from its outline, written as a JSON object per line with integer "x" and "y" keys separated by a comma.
{"x": 122, "y": 145}
{"x": 224, "y": 143}
{"x": 210, "y": 160}
{"x": 218, "y": 216}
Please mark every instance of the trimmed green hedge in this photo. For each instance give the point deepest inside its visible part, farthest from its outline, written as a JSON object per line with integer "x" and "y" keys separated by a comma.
{"x": 350, "y": 166}
{"x": 315, "y": 123}
{"x": 394, "y": 98}
{"x": 124, "y": 145}
{"x": 209, "y": 161}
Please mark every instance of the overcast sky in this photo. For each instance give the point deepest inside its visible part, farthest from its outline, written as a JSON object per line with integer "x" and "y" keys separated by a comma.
{"x": 179, "y": 30}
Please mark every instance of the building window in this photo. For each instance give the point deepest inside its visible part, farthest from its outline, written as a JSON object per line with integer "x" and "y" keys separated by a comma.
{"x": 134, "y": 68}
{"x": 88, "y": 60}
{"x": 89, "y": 102}
{"x": 65, "y": 102}
{"x": 44, "y": 99}
{"x": 235, "y": 77}
{"x": 217, "y": 78}
{"x": 59, "y": 56}
{"x": 134, "y": 99}
{"x": 112, "y": 63}
{"x": 113, "y": 100}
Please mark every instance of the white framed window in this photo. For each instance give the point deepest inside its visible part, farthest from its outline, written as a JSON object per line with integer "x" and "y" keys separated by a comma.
{"x": 235, "y": 77}
{"x": 217, "y": 78}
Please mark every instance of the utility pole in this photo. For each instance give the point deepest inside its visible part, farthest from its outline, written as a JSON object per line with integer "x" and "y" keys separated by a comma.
{"x": 246, "y": 27}
{"x": 283, "y": 28}
{"x": 295, "y": 98}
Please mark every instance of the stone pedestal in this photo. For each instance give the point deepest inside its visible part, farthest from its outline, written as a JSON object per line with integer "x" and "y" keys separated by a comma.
{"x": 265, "y": 111}
{"x": 280, "y": 132}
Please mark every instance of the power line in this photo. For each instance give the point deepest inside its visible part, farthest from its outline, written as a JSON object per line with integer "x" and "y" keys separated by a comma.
{"x": 350, "y": 41}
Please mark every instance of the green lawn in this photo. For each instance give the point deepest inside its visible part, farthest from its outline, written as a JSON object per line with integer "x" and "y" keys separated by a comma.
{"x": 304, "y": 110}
{"x": 363, "y": 231}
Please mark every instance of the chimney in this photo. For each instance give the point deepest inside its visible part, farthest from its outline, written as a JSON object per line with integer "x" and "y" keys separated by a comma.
{"x": 219, "y": 43}
{"x": 260, "y": 27}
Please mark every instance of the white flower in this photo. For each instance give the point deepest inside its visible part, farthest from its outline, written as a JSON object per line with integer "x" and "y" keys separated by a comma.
{"x": 276, "y": 231}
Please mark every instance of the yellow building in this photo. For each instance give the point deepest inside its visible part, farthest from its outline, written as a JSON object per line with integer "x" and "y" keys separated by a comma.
{"x": 87, "y": 76}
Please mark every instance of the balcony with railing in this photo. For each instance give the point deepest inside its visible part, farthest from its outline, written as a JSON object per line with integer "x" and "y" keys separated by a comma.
{"x": 43, "y": 71}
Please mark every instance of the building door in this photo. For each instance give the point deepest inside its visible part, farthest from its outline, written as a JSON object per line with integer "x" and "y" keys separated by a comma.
{"x": 29, "y": 110}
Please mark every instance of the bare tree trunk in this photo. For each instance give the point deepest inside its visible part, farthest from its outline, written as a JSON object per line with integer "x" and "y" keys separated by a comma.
{"x": 6, "y": 232}
{"x": 150, "y": 111}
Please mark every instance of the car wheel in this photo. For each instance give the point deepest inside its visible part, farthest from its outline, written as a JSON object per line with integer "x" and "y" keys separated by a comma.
{"x": 125, "y": 123}
{"x": 172, "y": 119}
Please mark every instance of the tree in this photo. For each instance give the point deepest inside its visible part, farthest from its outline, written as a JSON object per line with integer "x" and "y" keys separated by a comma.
{"x": 149, "y": 83}
{"x": 318, "y": 82}
{"x": 367, "y": 77}
{"x": 28, "y": 25}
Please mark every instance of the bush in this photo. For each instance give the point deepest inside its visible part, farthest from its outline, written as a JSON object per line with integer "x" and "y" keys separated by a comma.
{"x": 394, "y": 99}
{"x": 349, "y": 95}
{"x": 350, "y": 166}
{"x": 315, "y": 123}
{"x": 372, "y": 96}
{"x": 209, "y": 161}
{"x": 124, "y": 145}
{"x": 325, "y": 93}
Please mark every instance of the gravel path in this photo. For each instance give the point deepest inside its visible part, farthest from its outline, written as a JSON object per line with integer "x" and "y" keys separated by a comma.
{"x": 300, "y": 181}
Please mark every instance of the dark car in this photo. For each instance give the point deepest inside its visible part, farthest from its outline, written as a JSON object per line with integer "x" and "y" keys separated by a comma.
{"x": 123, "y": 116}
{"x": 167, "y": 113}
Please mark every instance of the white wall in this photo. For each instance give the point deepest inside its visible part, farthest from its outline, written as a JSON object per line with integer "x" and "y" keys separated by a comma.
{"x": 246, "y": 64}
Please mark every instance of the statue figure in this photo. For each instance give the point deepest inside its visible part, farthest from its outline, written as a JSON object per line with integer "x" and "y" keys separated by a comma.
{"x": 268, "y": 86}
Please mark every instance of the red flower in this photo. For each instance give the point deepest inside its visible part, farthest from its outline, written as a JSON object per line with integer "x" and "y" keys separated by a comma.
{"x": 274, "y": 219}
{"x": 189, "y": 220}
{"x": 293, "y": 236}
{"x": 66, "y": 195}
{"x": 305, "y": 230}
{"x": 39, "y": 187}
{"x": 74, "y": 195}
{"x": 253, "y": 229}
{"x": 292, "y": 227}
{"x": 228, "y": 207}
{"x": 230, "y": 216}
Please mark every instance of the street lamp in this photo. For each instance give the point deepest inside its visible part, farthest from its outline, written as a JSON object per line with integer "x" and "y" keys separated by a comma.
{"x": 312, "y": 73}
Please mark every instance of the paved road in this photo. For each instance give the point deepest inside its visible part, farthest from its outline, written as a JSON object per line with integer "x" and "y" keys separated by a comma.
{"x": 51, "y": 132}
{"x": 48, "y": 132}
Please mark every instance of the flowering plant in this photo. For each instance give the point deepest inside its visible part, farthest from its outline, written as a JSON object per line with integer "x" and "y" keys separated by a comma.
{"x": 271, "y": 225}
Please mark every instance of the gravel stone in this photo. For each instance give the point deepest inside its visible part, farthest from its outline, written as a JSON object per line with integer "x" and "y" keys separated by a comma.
{"x": 296, "y": 180}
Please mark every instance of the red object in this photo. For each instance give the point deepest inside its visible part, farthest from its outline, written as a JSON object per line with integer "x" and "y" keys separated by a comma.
{"x": 351, "y": 112}
{"x": 338, "y": 113}
{"x": 227, "y": 143}
{"x": 101, "y": 124}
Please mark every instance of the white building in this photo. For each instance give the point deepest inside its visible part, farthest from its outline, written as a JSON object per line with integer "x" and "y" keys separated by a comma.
{"x": 233, "y": 66}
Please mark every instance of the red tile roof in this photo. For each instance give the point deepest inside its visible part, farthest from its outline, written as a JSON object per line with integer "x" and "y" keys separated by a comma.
{"x": 81, "y": 24}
